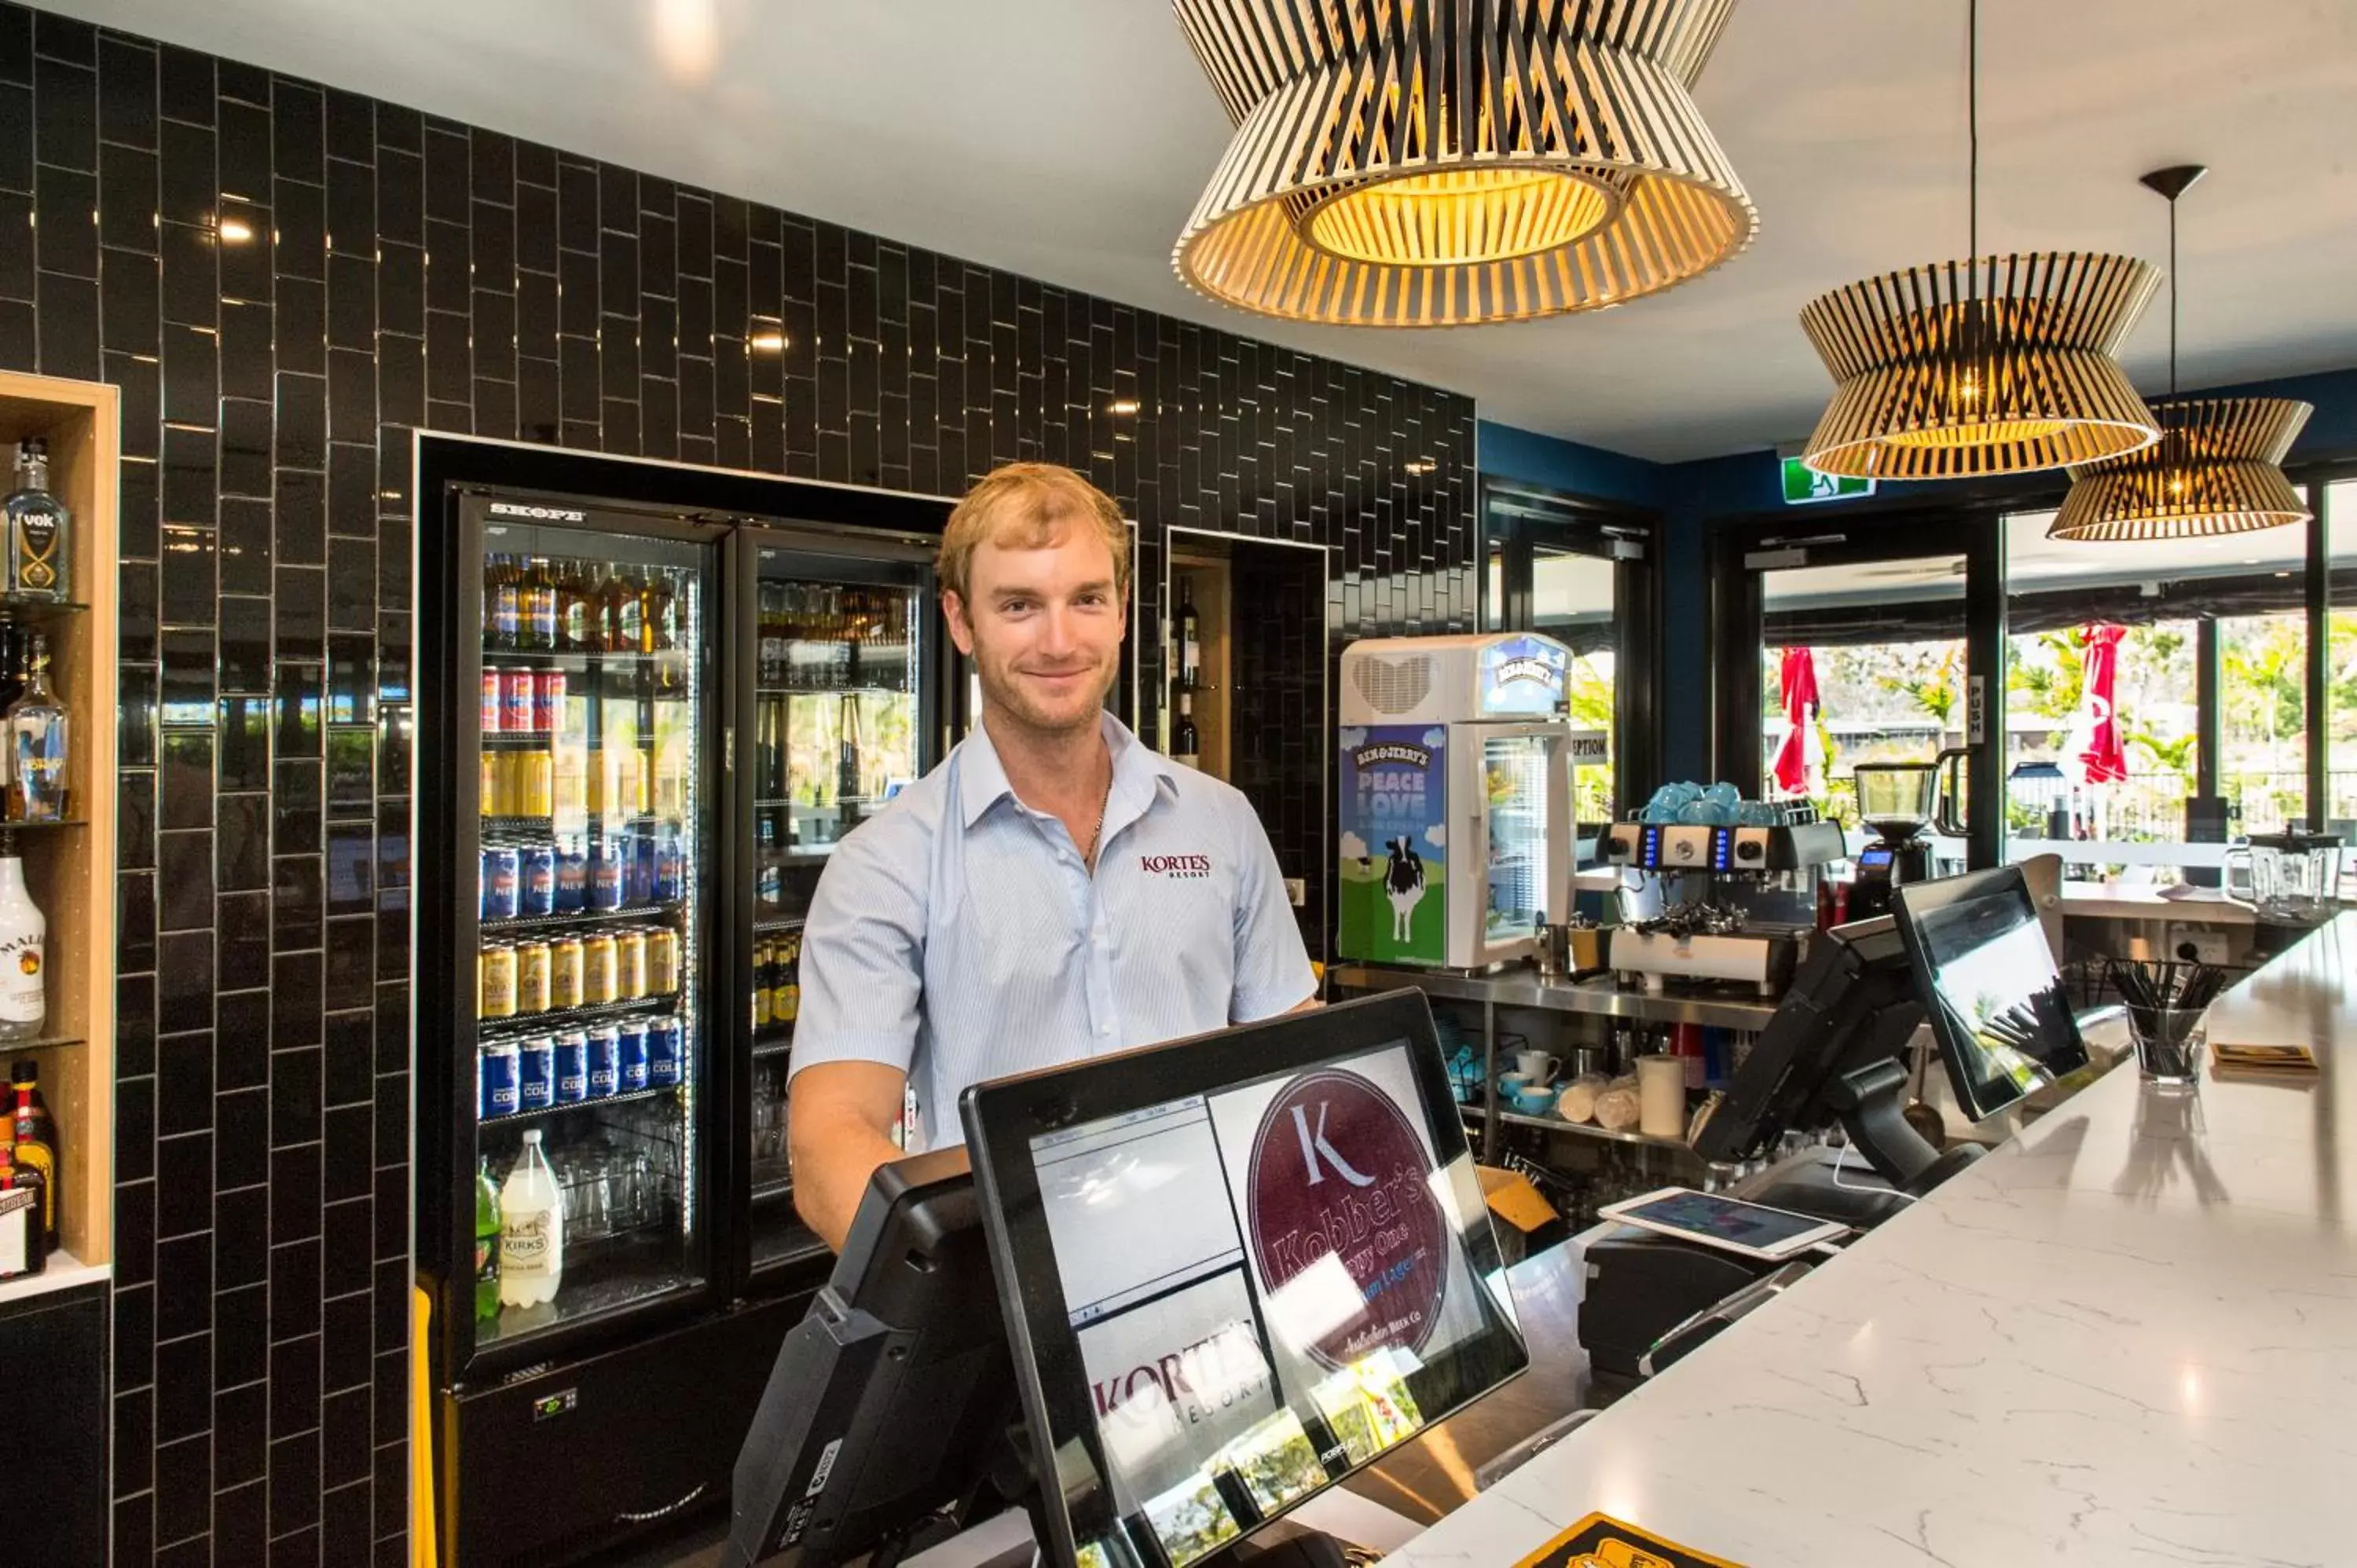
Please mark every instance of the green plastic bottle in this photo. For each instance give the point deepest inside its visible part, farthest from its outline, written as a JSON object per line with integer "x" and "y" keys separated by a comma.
{"x": 486, "y": 1241}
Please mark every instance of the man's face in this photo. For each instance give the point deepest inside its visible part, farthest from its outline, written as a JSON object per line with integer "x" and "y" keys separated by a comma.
{"x": 1043, "y": 628}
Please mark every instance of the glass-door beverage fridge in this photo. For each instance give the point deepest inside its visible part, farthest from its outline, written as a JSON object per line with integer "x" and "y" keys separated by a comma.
{"x": 571, "y": 1049}
{"x": 844, "y": 694}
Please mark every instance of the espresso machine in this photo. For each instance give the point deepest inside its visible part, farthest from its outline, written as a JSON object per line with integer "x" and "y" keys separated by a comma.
{"x": 1727, "y": 903}
{"x": 1897, "y": 801}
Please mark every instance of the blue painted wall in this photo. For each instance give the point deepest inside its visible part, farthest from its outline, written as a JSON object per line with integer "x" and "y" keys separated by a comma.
{"x": 1695, "y": 498}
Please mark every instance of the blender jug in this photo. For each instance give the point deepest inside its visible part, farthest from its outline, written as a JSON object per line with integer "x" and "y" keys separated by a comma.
{"x": 2290, "y": 875}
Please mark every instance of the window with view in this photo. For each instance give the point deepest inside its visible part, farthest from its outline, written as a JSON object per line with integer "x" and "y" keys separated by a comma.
{"x": 2141, "y": 677}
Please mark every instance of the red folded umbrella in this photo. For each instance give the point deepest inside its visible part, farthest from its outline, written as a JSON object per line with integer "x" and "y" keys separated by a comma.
{"x": 2103, "y": 759}
{"x": 1798, "y": 677}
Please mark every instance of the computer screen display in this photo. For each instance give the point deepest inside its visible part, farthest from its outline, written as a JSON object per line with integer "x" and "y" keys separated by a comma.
{"x": 1236, "y": 1295}
{"x": 1990, "y": 984}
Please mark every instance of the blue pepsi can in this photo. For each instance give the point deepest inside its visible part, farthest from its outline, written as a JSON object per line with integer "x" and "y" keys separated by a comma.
{"x": 500, "y": 875}
{"x": 572, "y": 879}
{"x": 604, "y": 1060}
{"x": 572, "y": 1066}
{"x": 537, "y": 871}
{"x": 497, "y": 1066}
{"x": 665, "y": 1042}
{"x": 631, "y": 1048}
{"x": 536, "y": 1073}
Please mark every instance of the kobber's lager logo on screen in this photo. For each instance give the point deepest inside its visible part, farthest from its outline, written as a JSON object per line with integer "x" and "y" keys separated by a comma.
{"x": 1338, "y": 1172}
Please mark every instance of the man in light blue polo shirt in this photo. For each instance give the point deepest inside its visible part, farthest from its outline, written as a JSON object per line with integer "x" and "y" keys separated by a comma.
{"x": 1052, "y": 891}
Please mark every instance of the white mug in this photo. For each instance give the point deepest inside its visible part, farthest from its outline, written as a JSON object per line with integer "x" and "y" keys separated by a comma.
{"x": 1537, "y": 1068}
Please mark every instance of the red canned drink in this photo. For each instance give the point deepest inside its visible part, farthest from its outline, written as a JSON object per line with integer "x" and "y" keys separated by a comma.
{"x": 516, "y": 700}
{"x": 491, "y": 700}
{"x": 548, "y": 700}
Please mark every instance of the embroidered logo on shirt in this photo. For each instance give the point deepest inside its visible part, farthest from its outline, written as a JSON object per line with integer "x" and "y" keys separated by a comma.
{"x": 1188, "y": 865}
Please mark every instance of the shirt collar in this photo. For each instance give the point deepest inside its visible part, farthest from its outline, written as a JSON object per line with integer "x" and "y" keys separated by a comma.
{"x": 1139, "y": 774}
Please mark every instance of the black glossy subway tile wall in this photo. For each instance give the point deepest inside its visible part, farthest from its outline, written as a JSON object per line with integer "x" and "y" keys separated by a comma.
{"x": 399, "y": 270}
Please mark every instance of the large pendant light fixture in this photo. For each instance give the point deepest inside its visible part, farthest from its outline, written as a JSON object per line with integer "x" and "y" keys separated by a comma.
{"x": 2218, "y": 466}
{"x": 1990, "y": 365}
{"x": 1449, "y": 163}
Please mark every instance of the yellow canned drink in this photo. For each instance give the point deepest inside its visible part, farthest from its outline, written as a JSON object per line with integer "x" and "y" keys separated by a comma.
{"x": 532, "y": 976}
{"x": 599, "y": 968}
{"x": 662, "y": 960}
{"x": 565, "y": 973}
{"x": 494, "y": 785}
{"x": 631, "y": 952}
{"x": 535, "y": 784}
{"x": 496, "y": 971}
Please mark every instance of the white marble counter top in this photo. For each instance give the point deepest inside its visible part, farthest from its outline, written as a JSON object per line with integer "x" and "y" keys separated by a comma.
{"x": 2128, "y": 1336}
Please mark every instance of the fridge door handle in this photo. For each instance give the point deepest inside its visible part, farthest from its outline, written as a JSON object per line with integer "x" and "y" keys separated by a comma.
{"x": 728, "y": 749}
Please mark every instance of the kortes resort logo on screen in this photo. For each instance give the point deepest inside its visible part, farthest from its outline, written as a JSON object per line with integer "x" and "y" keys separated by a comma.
{"x": 1348, "y": 1238}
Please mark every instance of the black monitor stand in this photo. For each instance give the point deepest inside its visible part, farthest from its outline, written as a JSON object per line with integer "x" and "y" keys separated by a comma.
{"x": 1870, "y": 1100}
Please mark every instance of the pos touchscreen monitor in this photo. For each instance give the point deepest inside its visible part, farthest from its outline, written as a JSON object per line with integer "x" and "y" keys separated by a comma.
{"x": 1234, "y": 1269}
{"x": 1988, "y": 982}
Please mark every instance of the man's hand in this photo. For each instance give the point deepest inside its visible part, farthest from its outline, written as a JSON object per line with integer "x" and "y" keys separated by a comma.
{"x": 839, "y": 1121}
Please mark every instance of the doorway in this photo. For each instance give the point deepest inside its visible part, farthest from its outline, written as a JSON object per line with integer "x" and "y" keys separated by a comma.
{"x": 1863, "y": 644}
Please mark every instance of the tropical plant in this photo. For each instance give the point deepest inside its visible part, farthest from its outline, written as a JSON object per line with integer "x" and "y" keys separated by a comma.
{"x": 2173, "y": 754}
{"x": 1933, "y": 692}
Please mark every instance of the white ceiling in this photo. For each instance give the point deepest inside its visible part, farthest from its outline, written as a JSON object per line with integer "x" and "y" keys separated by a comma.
{"x": 1068, "y": 139}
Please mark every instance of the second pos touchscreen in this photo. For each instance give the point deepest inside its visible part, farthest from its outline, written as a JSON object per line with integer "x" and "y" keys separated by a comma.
{"x": 1249, "y": 1264}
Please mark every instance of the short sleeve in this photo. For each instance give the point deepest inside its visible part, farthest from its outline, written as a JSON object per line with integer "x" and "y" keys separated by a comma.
{"x": 1273, "y": 973}
{"x": 862, "y": 956}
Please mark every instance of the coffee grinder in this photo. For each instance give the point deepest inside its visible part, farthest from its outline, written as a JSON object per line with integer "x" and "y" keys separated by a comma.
{"x": 1895, "y": 800}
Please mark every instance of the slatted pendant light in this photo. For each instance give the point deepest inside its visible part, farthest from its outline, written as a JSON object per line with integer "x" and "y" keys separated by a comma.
{"x": 1449, "y": 163}
{"x": 2218, "y": 466}
{"x": 1991, "y": 365}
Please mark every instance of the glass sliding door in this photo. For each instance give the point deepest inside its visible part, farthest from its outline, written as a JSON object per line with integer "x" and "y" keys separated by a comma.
{"x": 1861, "y": 643}
{"x": 1881, "y": 643}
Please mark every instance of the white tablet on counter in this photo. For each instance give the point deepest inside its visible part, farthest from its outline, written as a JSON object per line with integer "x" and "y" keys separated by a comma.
{"x": 1752, "y": 1229}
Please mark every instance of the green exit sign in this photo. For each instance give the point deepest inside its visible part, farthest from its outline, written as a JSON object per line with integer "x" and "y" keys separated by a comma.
{"x": 1803, "y": 485}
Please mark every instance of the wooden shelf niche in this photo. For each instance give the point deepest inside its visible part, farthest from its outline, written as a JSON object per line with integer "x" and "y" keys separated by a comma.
{"x": 70, "y": 867}
{"x": 1207, "y": 579}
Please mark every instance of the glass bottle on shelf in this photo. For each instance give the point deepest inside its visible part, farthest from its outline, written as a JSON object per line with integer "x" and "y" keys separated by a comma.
{"x": 504, "y": 596}
{"x": 623, "y": 615}
{"x": 23, "y": 951}
{"x": 538, "y": 626}
{"x": 658, "y": 613}
{"x": 1186, "y": 743}
{"x": 847, "y": 776}
{"x": 1191, "y": 637}
{"x": 571, "y": 608}
{"x": 39, "y": 526}
{"x": 38, "y": 750}
{"x": 16, "y": 660}
{"x": 769, "y": 864}
{"x": 770, "y": 624}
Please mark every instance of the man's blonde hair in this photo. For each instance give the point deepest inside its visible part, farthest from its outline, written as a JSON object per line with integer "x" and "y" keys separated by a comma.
{"x": 1023, "y": 506}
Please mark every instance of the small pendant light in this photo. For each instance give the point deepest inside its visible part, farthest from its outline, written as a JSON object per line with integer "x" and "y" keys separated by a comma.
{"x": 2218, "y": 466}
{"x": 1990, "y": 365}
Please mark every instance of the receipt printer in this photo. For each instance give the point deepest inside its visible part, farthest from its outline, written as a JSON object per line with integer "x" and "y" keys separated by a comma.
{"x": 1651, "y": 1297}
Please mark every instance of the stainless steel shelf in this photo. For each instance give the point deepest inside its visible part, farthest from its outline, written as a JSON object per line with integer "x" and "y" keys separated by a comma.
{"x": 1580, "y": 1128}
{"x": 1601, "y": 997}
{"x": 556, "y": 1018}
{"x": 572, "y": 917}
{"x": 773, "y": 1047}
{"x": 598, "y": 1103}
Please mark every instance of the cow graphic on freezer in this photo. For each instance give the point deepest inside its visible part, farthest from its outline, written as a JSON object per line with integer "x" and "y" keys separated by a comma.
{"x": 1403, "y": 886}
